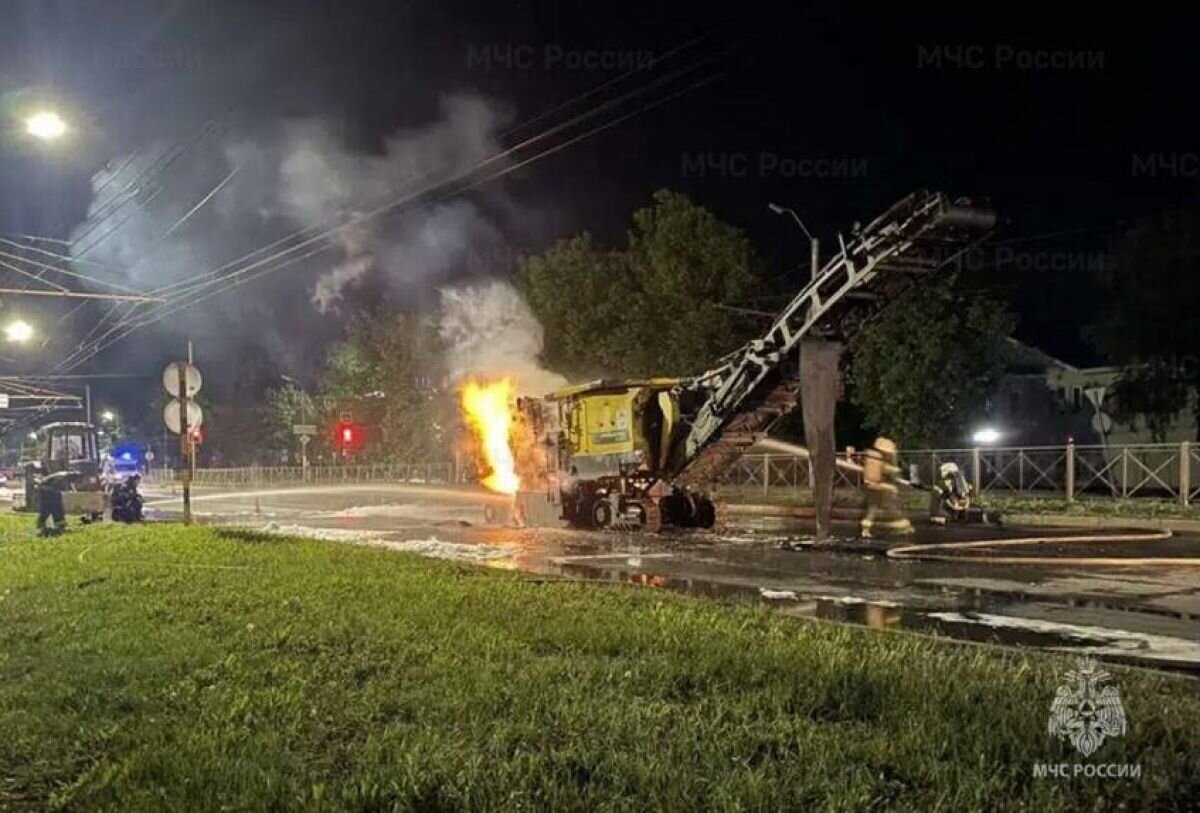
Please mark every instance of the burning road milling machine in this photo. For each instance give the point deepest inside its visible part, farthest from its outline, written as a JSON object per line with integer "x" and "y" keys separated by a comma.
{"x": 643, "y": 453}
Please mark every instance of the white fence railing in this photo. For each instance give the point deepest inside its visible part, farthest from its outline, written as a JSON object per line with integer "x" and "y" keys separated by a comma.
{"x": 440, "y": 473}
{"x": 1161, "y": 470}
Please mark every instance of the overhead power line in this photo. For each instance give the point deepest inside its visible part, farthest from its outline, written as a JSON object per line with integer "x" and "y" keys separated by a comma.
{"x": 192, "y": 297}
{"x": 186, "y": 293}
{"x": 65, "y": 294}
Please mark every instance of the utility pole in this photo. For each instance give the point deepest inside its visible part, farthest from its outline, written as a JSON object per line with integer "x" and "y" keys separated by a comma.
{"x": 304, "y": 439}
{"x": 185, "y": 438}
{"x": 87, "y": 400}
{"x": 191, "y": 438}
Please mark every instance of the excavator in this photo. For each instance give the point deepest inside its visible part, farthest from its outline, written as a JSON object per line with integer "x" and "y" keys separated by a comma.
{"x": 643, "y": 453}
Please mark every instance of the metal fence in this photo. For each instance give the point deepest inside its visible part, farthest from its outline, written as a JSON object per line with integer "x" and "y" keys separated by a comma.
{"x": 1158, "y": 470}
{"x": 439, "y": 473}
{"x": 1163, "y": 470}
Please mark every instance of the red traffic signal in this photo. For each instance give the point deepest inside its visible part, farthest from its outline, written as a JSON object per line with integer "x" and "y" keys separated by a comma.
{"x": 348, "y": 436}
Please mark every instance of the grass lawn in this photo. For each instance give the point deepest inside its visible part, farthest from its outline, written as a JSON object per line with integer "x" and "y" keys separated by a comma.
{"x": 156, "y": 668}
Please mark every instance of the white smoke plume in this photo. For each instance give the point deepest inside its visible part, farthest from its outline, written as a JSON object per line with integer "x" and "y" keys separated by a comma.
{"x": 321, "y": 182}
{"x": 490, "y": 331}
{"x": 152, "y": 222}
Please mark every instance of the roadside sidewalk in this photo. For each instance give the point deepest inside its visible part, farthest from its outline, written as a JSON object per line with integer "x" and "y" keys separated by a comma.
{"x": 1175, "y": 524}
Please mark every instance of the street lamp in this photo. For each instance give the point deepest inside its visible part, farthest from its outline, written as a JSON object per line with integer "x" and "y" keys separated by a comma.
{"x": 813, "y": 243}
{"x": 986, "y": 436}
{"x": 108, "y": 416}
{"x": 302, "y": 439}
{"x": 46, "y": 125}
{"x": 18, "y": 331}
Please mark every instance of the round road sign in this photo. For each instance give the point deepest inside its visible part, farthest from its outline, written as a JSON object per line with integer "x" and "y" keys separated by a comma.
{"x": 191, "y": 376}
{"x": 172, "y": 414}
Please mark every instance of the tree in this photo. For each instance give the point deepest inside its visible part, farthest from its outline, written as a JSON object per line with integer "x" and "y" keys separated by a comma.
{"x": 655, "y": 306}
{"x": 388, "y": 375}
{"x": 1149, "y": 326}
{"x": 285, "y": 407}
{"x": 925, "y": 367}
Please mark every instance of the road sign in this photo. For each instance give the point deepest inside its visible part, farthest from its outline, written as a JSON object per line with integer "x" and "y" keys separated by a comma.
{"x": 3, "y": 400}
{"x": 170, "y": 379}
{"x": 172, "y": 414}
{"x": 1102, "y": 423}
{"x": 304, "y": 429}
{"x": 304, "y": 439}
{"x": 1096, "y": 396}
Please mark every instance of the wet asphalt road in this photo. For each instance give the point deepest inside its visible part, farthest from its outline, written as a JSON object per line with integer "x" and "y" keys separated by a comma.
{"x": 1147, "y": 615}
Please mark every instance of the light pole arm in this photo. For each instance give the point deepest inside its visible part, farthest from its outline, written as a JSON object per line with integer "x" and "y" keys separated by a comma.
{"x": 813, "y": 243}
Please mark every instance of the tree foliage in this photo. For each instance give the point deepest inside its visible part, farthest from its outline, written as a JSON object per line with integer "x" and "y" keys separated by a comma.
{"x": 1149, "y": 326}
{"x": 924, "y": 368}
{"x": 387, "y": 375}
{"x": 285, "y": 407}
{"x": 651, "y": 307}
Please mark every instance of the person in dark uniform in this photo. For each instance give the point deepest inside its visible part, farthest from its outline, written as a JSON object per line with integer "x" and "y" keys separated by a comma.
{"x": 950, "y": 497}
{"x": 50, "y": 503}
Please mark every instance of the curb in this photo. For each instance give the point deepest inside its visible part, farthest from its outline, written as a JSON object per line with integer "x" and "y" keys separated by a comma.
{"x": 1070, "y": 521}
{"x": 789, "y": 511}
{"x": 1036, "y": 520}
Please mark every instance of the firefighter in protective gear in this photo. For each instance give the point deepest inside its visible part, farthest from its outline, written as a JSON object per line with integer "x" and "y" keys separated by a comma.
{"x": 880, "y": 473}
{"x": 52, "y": 518}
{"x": 950, "y": 497}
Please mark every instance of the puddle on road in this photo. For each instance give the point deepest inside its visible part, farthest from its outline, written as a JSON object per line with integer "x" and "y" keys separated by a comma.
{"x": 969, "y": 618}
{"x": 751, "y": 564}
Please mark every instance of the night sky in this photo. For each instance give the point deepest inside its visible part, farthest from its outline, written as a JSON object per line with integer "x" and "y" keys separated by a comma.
{"x": 1071, "y": 123}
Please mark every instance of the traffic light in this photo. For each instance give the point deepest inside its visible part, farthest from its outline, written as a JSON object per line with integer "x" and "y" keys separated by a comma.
{"x": 348, "y": 436}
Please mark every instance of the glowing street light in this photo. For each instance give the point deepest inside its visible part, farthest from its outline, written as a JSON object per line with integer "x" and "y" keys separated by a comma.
{"x": 18, "y": 331}
{"x": 986, "y": 436}
{"x": 108, "y": 416}
{"x": 46, "y": 125}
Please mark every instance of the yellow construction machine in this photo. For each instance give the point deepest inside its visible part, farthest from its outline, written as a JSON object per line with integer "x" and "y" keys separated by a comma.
{"x": 645, "y": 452}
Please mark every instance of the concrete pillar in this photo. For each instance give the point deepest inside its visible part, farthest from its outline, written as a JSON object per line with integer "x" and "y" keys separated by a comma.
{"x": 818, "y": 397}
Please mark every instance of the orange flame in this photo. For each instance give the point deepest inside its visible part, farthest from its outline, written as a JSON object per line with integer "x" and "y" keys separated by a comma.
{"x": 488, "y": 409}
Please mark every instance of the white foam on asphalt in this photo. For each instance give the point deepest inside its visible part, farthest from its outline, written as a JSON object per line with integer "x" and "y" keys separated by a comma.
{"x": 402, "y": 511}
{"x": 323, "y": 534}
{"x": 432, "y": 547}
{"x": 440, "y": 549}
{"x": 1096, "y": 640}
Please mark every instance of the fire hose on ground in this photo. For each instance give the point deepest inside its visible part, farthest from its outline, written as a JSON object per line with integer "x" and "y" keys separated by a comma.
{"x": 930, "y": 551}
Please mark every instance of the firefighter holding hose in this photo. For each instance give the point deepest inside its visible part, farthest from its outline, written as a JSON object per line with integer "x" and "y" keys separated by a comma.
{"x": 950, "y": 497}
{"x": 880, "y": 475}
